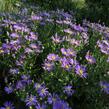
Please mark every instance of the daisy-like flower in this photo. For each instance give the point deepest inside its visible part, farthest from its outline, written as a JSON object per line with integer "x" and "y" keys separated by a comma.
{"x": 31, "y": 100}
{"x": 48, "y": 65}
{"x": 43, "y": 91}
{"x": 56, "y": 39}
{"x": 53, "y": 57}
{"x": 9, "y": 89}
{"x": 65, "y": 64}
{"x": 8, "y": 105}
{"x": 81, "y": 71}
{"x": 104, "y": 87}
{"x": 68, "y": 90}
{"x": 37, "y": 86}
{"x": 53, "y": 98}
{"x": 90, "y": 58}
{"x": 26, "y": 79}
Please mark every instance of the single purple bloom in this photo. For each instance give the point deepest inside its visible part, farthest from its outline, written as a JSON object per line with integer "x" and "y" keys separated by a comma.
{"x": 20, "y": 85}
{"x": 81, "y": 71}
{"x": 104, "y": 86}
{"x": 68, "y": 90}
{"x": 14, "y": 71}
{"x": 9, "y": 89}
{"x": 53, "y": 57}
{"x": 43, "y": 91}
{"x": 64, "y": 51}
{"x": 90, "y": 58}
{"x": 14, "y": 35}
{"x": 31, "y": 100}
{"x": 8, "y": 105}
{"x": 26, "y": 79}
{"x": 37, "y": 86}
{"x": 53, "y": 98}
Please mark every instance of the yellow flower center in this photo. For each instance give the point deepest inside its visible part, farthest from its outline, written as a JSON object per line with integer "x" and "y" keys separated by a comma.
{"x": 8, "y": 107}
{"x": 53, "y": 57}
{"x": 81, "y": 72}
{"x": 67, "y": 66}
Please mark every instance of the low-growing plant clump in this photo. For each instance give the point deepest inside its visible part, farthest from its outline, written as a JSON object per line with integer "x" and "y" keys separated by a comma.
{"x": 47, "y": 61}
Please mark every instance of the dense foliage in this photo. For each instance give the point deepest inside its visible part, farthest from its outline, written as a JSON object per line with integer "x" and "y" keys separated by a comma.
{"x": 50, "y": 61}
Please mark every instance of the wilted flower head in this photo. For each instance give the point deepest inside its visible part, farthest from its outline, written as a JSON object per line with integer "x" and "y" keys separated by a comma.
{"x": 90, "y": 58}
{"x": 56, "y": 39}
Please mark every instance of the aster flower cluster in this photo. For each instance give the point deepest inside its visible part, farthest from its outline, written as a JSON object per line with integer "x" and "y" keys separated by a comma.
{"x": 48, "y": 60}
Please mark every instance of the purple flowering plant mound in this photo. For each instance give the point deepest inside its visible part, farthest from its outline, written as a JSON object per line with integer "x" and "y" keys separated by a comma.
{"x": 47, "y": 61}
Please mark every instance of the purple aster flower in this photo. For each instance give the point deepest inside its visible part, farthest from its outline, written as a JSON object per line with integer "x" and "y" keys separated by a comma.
{"x": 14, "y": 71}
{"x": 104, "y": 46}
{"x": 58, "y": 104}
{"x": 53, "y": 98}
{"x": 68, "y": 90}
{"x": 75, "y": 42}
{"x": 43, "y": 106}
{"x": 28, "y": 50}
{"x": 9, "y": 89}
{"x": 104, "y": 87}
{"x": 90, "y": 58}
{"x": 65, "y": 64}
{"x": 31, "y": 100}
{"x": 77, "y": 27}
{"x": 14, "y": 35}
{"x": 48, "y": 65}
{"x": 53, "y": 57}
{"x": 69, "y": 31}
{"x": 35, "y": 17}
{"x": 8, "y": 105}
{"x": 20, "y": 85}
{"x": 43, "y": 91}
{"x": 64, "y": 51}
{"x": 37, "y": 86}
{"x": 56, "y": 39}
{"x": 71, "y": 52}
{"x": 68, "y": 52}
{"x": 26, "y": 79}
{"x": 81, "y": 71}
